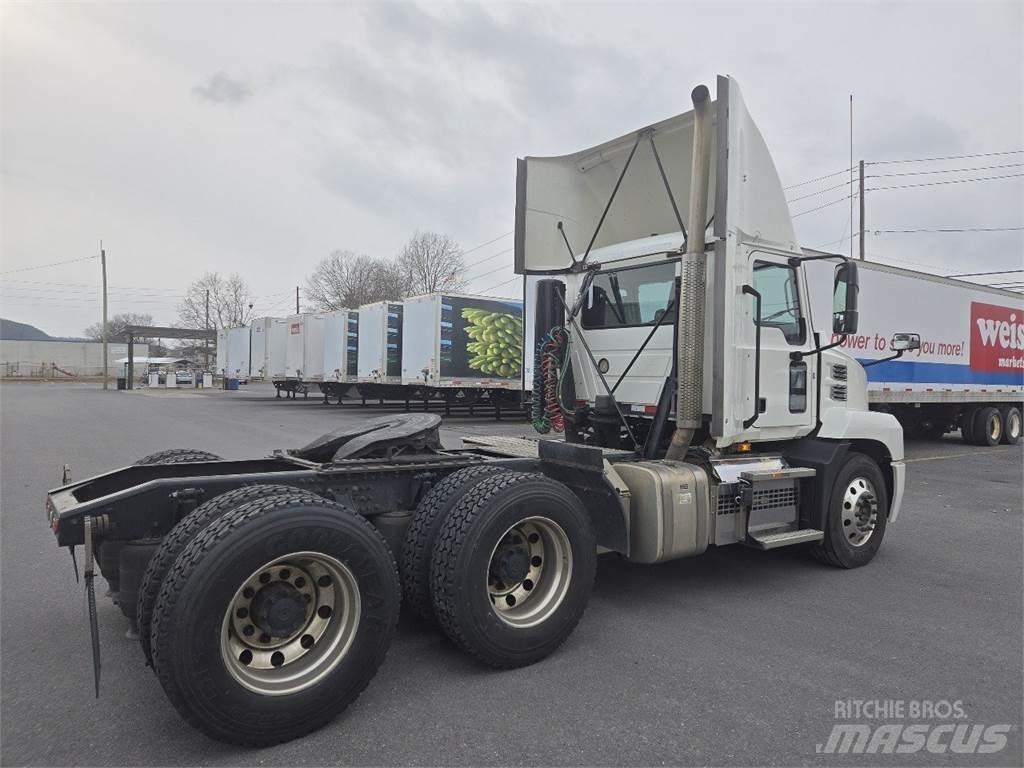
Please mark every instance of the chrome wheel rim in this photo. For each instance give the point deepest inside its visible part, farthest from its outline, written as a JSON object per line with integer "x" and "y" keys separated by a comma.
{"x": 860, "y": 511}
{"x": 529, "y": 572}
{"x": 290, "y": 623}
{"x": 1013, "y": 425}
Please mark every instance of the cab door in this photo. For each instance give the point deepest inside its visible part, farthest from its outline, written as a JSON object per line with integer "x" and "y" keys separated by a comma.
{"x": 778, "y": 314}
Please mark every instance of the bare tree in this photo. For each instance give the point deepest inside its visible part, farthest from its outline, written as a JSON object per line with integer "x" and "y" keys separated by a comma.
{"x": 431, "y": 262}
{"x": 230, "y": 302}
{"x": 116, "y": 326}
{"x": 346, "y": 280}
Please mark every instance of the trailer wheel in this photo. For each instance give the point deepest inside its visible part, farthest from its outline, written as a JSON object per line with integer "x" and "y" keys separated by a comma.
{"x": 1011, "y": 425}
{"x": 274, "y": 619}
{"x": 988, "y": 426}
{"x": 513, "y": 569}
{"x": 178, "y": 456}
{"x": 426, "y": 522}
{"x": 857, "y": 515}
{"x": 967, "y": 426}
{"x": 182, "y": 534}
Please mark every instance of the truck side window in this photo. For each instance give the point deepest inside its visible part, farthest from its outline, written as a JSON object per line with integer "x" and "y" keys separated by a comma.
{"x": 780, "y": 300}
{"x": 624, "y": 298}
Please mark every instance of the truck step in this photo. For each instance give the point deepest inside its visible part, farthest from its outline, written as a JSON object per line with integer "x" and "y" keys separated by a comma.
{"x": 786, "y": 538}
{"x": 786, "y": 473}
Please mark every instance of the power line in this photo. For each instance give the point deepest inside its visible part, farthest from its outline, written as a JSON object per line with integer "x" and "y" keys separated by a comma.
{"x": 826, "y": 205}
{"x": 982, "y": 274}
{"x": 478, "y": 247}
{"x": 819, "y": 192}
{"x": 494, "y": 256}
{"x": 44, "y": 266}
{"x": 963, "y": 229}
{"x": 819, "y": 178}
{"x": 948, "y": 181}
{"x": 499, "y": 285}
{"x": 945, "y": 170}
{"x": 949, "y": 157}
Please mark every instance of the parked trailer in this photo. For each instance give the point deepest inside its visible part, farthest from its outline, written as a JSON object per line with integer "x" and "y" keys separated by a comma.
{"x": 379, "y": 369}
{"x": 233, "y": 350}
{"x": 968, "y": 373}
{"x": 266, "y": 592}
{"x": 277, "y": 355}
{"x": 463, "y": 349}
{"x": 341, "y": 351}
{"x": 259, "y": 336}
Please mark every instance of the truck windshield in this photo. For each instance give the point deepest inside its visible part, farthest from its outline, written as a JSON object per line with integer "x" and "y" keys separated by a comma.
{"x": 628, "y": 297}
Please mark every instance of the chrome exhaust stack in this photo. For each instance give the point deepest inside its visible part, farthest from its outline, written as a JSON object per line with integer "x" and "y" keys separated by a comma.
{"x": 690, "y": 335}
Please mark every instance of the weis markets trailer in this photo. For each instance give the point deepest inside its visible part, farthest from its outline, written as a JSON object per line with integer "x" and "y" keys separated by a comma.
{"x": 462, "y": 348}
{"x": 968, "y": 373}
{"x": 304, "y": 354}
{"x": 277, "y": 350}
{"x": 259, "y": 335}
{"x": 233, "y": 353}
{"x": 341, "y": 349}
{"x": 379, "y": 368}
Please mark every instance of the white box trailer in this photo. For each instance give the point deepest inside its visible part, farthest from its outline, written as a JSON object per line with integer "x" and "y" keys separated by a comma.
{"x": 304, "y": 348}
{"x": 341, "y": 345}
{"x": 971, "y": 360}
{"x": 453, "y": 341}
{"x": 277, "y": 348}
{"x": 259, "y": 350}
{"x": 233, "y": 353}
{"x": 380, "y": 343}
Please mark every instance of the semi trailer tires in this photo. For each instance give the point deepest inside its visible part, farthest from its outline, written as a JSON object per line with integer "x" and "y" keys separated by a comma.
{"x": 857, "y": 515}
{"x": 178, "y": 456}
{"x": 1011, "y": 425}
{"x": 422, "y": 534}
{"x": 174, "y": 543}
{"x": 274, "y": 619}
{"x": 513, "y": 568}
{"x": 988, "y": 426}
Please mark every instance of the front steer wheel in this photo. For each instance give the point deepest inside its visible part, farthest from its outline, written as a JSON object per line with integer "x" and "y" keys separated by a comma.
{"x": 857, "y": 515}
{"x": 513, "y": 568}
{"x": 274, "y": 619}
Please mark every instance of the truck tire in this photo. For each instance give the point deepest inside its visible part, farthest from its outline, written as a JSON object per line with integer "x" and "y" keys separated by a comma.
{"x": 312, "y": 598}
{"x": 181, "y": 535}
{"x": 857, "y": 515}
{"x": 967, "y": 426}
{"x": 1011, "y": 425}
{"x": 178, "y": 456}
{"x": 513, "y": 568}
{"x": 419, "y": 539}
{"x": 988, "y": 426}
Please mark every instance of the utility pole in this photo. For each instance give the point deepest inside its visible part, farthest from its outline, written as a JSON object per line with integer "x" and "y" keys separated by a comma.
{"x": 297, "y": 301}
{"x": 851, "y": 175}
{"x": 206, "y": 341}
{"x": 103, "y": 266}
{"x": 862, "y": 210}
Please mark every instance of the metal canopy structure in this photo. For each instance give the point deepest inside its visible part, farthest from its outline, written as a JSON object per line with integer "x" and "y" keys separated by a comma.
{"x": 132, "y": 332}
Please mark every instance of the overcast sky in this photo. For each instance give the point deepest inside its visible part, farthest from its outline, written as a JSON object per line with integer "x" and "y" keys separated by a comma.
{"x": 258, "y": 138}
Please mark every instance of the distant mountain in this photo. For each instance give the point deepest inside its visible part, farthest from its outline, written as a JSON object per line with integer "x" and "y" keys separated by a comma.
{"x": 22, "y": 332}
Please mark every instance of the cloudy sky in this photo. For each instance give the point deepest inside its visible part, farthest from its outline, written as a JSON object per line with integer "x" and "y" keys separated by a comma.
{"x": 258, "y": 138}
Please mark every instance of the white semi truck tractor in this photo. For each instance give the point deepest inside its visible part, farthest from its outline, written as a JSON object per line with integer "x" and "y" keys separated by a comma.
{"x": 699, "y": 405}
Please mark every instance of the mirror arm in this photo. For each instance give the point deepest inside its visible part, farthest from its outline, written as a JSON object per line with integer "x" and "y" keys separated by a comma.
{"x": 796, "y": 261}
{"x": 883, "y": 359}
{"x": 798, "y": 356}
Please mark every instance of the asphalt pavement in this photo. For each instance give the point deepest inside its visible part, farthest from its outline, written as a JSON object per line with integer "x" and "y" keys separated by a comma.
{"x": 736, "y": 657}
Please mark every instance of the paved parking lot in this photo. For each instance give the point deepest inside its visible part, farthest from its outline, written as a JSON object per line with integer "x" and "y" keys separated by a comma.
{"x": 733, "y": 658}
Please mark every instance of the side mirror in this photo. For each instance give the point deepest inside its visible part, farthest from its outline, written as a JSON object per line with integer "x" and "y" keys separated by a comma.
{"x": 845, "y": 288}
{"x": 905, "y": 342}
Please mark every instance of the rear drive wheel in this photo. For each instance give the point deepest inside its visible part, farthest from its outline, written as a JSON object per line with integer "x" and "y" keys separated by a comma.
{"x": 988, "y": 426}
{"x": 426, "y": 522}
{"x": 174, "y": 543}
{"x": 857, "y": 515}
{"x": 178, "y": 456}
{"x": 1011, "y": 425}
{"x": 513, "y": 569}
{"x": 274, "y": 619}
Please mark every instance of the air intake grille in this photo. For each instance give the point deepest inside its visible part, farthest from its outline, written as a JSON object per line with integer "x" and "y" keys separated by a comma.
{"x": 839, "y": 372}
{"x": 839, "y": 392}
